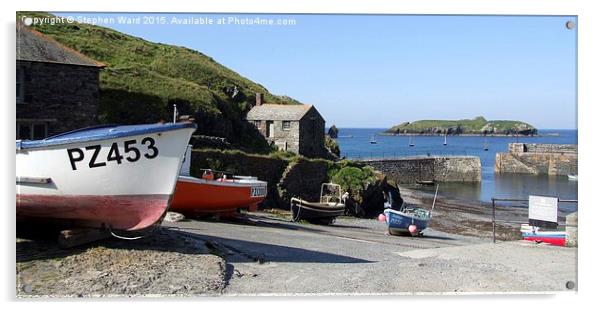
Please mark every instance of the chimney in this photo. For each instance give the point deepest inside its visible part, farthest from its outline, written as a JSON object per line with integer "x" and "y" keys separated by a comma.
{"x": 258, "y": 99}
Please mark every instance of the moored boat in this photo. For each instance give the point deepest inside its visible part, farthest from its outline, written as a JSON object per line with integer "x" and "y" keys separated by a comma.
{"x": 215, "y": 194}
{"x": 572, "y": 177}
{"x": 325, "y": 211}
{"x": 119, "y": 178}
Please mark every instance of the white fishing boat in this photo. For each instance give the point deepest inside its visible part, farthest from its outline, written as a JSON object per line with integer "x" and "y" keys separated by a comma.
{"x": 113, "y": 177}
{"x": 572, "y": 177}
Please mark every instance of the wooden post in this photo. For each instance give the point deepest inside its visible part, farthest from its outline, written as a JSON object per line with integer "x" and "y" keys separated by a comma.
{"x": 493, "y": 217}
{"x": 74, "y": 237}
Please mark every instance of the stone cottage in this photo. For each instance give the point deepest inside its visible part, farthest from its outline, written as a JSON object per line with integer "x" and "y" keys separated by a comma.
{"x": 57, "y": 87}
{"x": 297, "y": 128}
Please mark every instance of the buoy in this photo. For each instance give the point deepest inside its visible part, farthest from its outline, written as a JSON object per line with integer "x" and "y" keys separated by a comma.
{"x": 412, "y": 229}
{"x": 382, "y": 218}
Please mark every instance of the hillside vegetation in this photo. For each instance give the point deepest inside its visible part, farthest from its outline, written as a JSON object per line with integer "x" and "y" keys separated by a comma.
{"x": 143, "y": 80}
{"x": 477, "y": 125}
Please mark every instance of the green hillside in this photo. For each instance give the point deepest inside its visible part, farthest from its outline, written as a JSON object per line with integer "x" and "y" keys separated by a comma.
{"x": 477, "y": 125}
{"x": 143, "y": 80}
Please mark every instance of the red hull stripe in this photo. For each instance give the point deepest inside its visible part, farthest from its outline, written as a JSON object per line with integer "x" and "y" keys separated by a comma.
{"x": 553, "y": 241}
{"x": 119, "y": 212}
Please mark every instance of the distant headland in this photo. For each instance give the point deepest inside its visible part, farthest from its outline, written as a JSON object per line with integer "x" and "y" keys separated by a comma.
{"x": 476, "y": 126}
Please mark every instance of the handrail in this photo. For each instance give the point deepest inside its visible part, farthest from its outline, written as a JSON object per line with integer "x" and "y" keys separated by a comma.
{"x": 494, "y": 221}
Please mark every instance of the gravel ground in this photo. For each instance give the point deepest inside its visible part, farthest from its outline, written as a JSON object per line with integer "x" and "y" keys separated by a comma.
{"x": 268, "y": 255}
{"x": 264, "y": 253}
{"x": 469, "y": 218}
{"x": 166, "y": 263}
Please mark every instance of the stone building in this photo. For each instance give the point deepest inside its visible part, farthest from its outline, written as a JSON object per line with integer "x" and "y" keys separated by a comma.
{"x": 57, "y": 87}
{"x": 297, "y": 128}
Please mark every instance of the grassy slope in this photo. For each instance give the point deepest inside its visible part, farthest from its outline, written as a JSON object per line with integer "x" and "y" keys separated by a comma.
{"x": 465, "y": 126}
{"x": 143, "y": 80}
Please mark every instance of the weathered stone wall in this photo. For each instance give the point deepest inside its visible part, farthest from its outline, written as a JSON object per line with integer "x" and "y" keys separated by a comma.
{"x": 283, "y": 139}
{"x": 457, "y": 169}
{"x": 572, "y": 222}
{"x": 519, "y": 148}
{"x": 303, "y": 179}
{"x": 311, "y": 134}
{"x": 551, "y": 159}
{"x": 438, "y": 169}
{"x": 67, "y": 96}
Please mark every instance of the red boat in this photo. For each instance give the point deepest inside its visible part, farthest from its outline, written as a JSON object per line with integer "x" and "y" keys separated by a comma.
{"x": 216, "y": 192}
{"x": 531, "y": 233}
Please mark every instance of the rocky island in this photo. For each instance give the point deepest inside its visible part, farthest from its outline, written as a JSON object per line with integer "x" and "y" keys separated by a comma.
{"x": 476, "y": 126}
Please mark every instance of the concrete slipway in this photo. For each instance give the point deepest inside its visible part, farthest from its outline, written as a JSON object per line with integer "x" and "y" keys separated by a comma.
{"x": 269, "y": 255}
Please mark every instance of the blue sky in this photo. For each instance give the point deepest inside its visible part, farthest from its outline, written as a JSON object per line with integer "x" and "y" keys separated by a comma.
{"x": 378, "y": 71}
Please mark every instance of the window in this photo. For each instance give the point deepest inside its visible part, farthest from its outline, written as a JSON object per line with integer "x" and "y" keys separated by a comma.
{"x": 286, "y": 125}
{"x": 20, "y": 85}
{"x": 32, "y": 130}
{"x": 257, "y": 124}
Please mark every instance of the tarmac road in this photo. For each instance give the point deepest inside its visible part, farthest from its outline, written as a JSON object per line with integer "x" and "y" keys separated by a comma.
{"x": 268, "y": 255}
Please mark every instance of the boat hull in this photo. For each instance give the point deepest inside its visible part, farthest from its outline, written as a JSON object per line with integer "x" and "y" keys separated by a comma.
{"x": 102, "y": 190}
{"x": 316, "y": 212}
{"x": 201, "y": 197}
{"x": 399, "y": 222}
{"x": 553, "y": 238}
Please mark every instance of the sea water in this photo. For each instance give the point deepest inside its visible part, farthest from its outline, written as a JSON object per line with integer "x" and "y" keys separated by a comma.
{"x": 355, "y": 144}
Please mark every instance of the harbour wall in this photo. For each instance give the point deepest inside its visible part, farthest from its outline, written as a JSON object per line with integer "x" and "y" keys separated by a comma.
{"x": 531, "y": 158}
{"x": 438, "y": 169}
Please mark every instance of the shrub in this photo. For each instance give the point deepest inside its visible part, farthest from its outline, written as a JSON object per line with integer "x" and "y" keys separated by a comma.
{"x": 353, "y": 179}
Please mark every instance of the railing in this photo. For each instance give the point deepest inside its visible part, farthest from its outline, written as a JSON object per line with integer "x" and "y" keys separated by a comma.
{"x": 399, "y": 155}
{"x": 494, "y": 220}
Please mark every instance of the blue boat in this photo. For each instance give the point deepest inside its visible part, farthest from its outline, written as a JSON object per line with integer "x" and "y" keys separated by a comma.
{"x": 399, "y": 221}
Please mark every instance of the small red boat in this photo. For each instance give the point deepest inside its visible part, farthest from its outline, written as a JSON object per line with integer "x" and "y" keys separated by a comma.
{"x": 216, "y": 192}
{"x": 531, "y": 233}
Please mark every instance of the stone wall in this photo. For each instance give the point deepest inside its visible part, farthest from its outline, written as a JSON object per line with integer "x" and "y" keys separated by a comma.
{"x": 302, "y": 179}
{"x": 551, "y": 159}
{"x": 286, "y": 139}
{"x": 65, "y": 97}
{"x": 519, "y": 148}
{"x": 311, "y": 134}
{"x": 438, "y": 169}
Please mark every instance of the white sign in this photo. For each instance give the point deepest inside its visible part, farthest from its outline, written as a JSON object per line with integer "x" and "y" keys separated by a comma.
{"x": 543, "y": 208}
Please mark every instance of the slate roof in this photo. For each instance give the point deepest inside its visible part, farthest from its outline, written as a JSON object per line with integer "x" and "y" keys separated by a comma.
{"x": 34, "y": 46}
{"x": 279, "y": 112}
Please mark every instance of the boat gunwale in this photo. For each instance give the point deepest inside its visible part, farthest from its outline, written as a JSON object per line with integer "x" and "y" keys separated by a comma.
{"x": 409, "y": 215}
{"x": 234, "y": 183}
{"x": 64, "y": 139}
{"x": 311, "y": 206}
